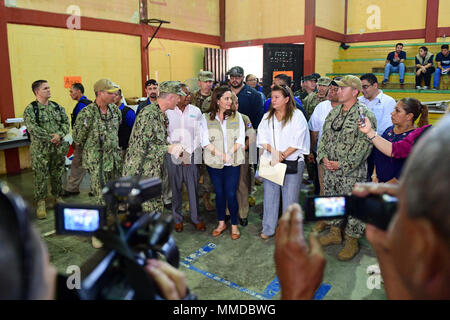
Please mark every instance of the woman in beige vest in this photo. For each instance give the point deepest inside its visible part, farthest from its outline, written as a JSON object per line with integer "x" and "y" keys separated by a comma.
{"x": 223, "y": 139}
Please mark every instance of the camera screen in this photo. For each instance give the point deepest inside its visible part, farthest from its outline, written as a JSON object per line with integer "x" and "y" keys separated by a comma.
{"x": 329, "y": 207}
{"x": 84, "y": 220}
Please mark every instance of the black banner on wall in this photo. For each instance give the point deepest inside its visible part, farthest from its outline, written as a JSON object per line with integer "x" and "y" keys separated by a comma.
{"x": 282, "y": 58}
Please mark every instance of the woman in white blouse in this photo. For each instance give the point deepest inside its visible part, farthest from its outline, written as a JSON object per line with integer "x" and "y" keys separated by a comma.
{"x": 284, "y": 136}
{"x": 223, "y": 139}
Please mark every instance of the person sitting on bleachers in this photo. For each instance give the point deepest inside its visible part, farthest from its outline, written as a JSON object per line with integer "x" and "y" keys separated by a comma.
{"x": 443, "y": 65}
{"x": 395, "y": 62}
{"x": 424, "y": 67}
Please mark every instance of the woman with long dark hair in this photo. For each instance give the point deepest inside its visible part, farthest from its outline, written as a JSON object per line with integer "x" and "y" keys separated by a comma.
{"x": 284, "y": 137}
{"x": 223, "y": 140}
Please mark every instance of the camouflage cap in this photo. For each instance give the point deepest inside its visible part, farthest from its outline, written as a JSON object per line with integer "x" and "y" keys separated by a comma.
{"x": 310, "y": 78}
{"x": 350, "y": 81}
{"x": 205, "y": 76}
{"x": 236, "y": 71}
{"x": 171, "y": 87}
{"x": 324, "y": 81}
{"x": 105, "y": 85}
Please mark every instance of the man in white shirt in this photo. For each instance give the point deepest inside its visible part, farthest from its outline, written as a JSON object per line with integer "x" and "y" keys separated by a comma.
{"x": 184, "y": 128}
{"x": 316, "y": 124}
{"x": 381, "y": 105}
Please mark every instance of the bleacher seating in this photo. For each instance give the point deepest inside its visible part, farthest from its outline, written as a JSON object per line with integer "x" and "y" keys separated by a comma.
{"x": 361, "y": 59}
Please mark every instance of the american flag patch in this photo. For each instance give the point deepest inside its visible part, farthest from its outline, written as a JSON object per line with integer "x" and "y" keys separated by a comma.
{"x": 249, "y": 125}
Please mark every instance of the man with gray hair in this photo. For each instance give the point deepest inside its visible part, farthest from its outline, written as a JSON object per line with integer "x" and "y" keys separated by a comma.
{"x": 414, "y": 252}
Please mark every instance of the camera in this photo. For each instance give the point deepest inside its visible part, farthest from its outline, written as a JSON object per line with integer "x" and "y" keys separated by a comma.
{"x": 377, "y": 210}
{"x": 131, "y": 239}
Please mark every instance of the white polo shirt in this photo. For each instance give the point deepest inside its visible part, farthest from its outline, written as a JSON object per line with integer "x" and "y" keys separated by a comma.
{"x": 294, "y": 134}
{"x": 382, "y": 106}
{"x": 318, "y": 117}
{"x": 185, "y": 127}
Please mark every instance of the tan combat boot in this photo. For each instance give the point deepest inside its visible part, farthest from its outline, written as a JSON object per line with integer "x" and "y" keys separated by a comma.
{"x": 41, "y": 212}
{"x": 332, "y": 237}
{"x": 319, "y": 226}
{"x": 351, "y": 248}
{"x": 251, "y": 201}
{"x": 207, "y": 202}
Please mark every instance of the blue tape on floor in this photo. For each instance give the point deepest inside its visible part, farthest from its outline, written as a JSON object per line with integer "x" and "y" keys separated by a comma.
{"x": 198, "y": 254}
{"x": 272, "y": 289}
{"x": 322, "y": 291}
{"x": 227, "y": 283}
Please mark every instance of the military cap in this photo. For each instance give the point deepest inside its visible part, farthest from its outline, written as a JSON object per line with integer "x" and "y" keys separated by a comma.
{"x": 171, "y": 87}
{"x": 310, "y": 78}
{"x": 205, "y": 76}
{"x": 316, "y": 75}
{"x": 105, "y": 85}
{"x": 236, "y": 71}
{"x": 324, "y": 81}
{"x": 350, "y": 81}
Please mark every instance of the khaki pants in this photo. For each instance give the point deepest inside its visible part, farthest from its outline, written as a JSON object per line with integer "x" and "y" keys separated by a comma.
{"x": 242, "y": 192}
{"x": 76, "y": 171}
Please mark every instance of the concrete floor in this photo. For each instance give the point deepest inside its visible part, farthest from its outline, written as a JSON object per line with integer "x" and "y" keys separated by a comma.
{"x": 226, "y": 269}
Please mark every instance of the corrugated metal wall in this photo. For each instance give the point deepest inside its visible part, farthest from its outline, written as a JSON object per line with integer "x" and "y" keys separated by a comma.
{"x": 216, "y": 61}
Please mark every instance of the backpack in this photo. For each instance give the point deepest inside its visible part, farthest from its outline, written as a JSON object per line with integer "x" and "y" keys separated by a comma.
{"x": 36, "y": 113}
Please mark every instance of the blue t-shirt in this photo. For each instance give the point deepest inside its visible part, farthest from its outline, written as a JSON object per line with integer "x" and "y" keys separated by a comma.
{"x": 445, "y": 61}
{"x": 387, "y": 167}
{"x": 79, "y": 106}
{"x": 130, "y": 117}
{"x": 298, "y": 103}
{"x": 391, "y": 56}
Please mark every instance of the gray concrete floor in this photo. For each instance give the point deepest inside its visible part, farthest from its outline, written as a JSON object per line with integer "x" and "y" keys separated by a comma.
{"x": 242, "y": 269}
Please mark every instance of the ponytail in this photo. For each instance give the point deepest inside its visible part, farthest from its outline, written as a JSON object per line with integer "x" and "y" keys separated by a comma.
{"x": 423, "y": 121}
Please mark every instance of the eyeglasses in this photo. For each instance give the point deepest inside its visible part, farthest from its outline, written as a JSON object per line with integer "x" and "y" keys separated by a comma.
{"x": 252, "y": 80}
{"x": 333, "y": 123}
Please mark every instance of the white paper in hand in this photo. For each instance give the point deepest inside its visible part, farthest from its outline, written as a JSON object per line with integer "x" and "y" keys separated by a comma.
{"x": 273, "y": 173}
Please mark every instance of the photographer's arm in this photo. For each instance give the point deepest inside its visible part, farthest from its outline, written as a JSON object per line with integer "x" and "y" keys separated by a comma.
{"x": 299, "y": 269}
{"x": 395, "y": 289}
{"x": 380, "y": 143}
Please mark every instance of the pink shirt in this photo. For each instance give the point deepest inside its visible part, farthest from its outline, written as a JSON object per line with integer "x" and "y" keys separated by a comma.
{"x": 402, "y": 149}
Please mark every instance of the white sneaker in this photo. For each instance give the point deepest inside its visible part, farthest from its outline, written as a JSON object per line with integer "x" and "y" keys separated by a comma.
{"x": 418, "y": 87}
{"x": 425, "y": 88}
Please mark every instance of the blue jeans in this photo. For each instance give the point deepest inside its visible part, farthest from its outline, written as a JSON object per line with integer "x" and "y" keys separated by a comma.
{"x": 289, "y": 192}
{"x": 437, "y": 77}
{"x": 225, "y": 182}
{"x": 400, "y": 69}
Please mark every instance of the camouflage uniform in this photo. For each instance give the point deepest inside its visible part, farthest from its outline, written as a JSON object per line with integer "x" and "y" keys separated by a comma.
{"x": 47, "y": 159}
{"x": 301, "y": 94}
{"x": 198, "y": 100}
{"x": 310, "y": 103}
{"x": 350, "y": 148}
{"x": 89, "y": 127}
{"x": 147, "y": 148}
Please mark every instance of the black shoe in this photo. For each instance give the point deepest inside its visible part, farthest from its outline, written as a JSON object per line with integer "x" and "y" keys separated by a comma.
{"x": 66, "y": 193}
{"x": 91, "y": 194}
{"x": 243, "y": 222}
